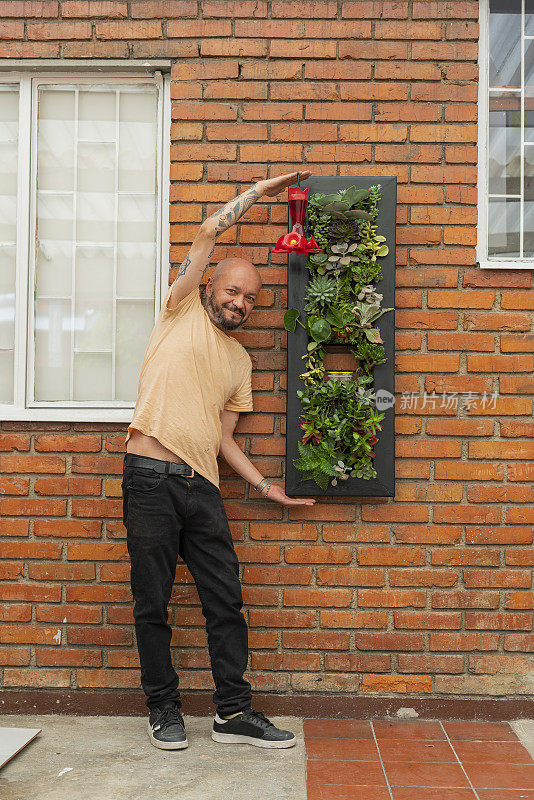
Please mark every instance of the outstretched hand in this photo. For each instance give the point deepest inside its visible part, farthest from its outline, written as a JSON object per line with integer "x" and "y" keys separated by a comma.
{"x": 277, "y": 494}
{"x": 273, "y": 186}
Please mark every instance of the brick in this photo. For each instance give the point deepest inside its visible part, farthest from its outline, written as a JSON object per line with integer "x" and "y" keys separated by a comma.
{"x": 389, "y": 641}
{"x": 461, "y": 30}
{"x": 519, "y": 642}
{"x": 311, "y": 9}
{"x": 519, "y": 600}
{"x": 317, "y": 555}
{"x": 319, "y": 132}
{"x": 315, "y": 640}
{"x": 203, "y": 70}
{"x": 353, "y": 619}
{"x": 271, "y": 71}
{"x": 408, "y": 30}
{"x": 59, "y": 30}
{"x": 15, "y": 656}
{"x": 349, "y": 576}
{"x": 465, "y": 599}
{"x": 499, "y": 664}
{"x": 58, "y": 678}
{"x": 502, "y": 579}
{"x": 128, "y": 29}
{"x": 391, "y": 598}
{"x": 357, "y": 662}
{"x": 396, "y": 683}
{"x": 431, "y": 9}
{"x": 12, "y": 30}
{"x": 430, "y": 663}
{"x": 427, "y": 621}
{"x": 378, "y": 133}
{"x": 116, "y": 9}
{"x": 464, "y": 641}
{"x": 363, "y": 50}
{"x": 482, "y": 684}
{"x": 443, "y": 133}
{"x": 483, "y": 620}
{"x": 375, "y": 91}
{"x": 407, "y": 70}
{"x": 281, "y": 618}
{"x": 199, "y": 28}
{"x": 422, "y": 577}
{"x": 233, "y": 8}
{"x": 461, "y": 51}
{"x": 66, "y": 657}
{"x": 234, "y": 90}
{"x": 29, "y": 8}
{"x": 332, "y": 71}
{"x": 390, "y": 556}
{"x": 234, "y": 47}
{"x": 369, "y": 9}
{"x": 146, "y": 9}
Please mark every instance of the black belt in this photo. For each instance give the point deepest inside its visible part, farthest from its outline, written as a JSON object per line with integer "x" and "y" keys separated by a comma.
{"x": 168, "y": 467}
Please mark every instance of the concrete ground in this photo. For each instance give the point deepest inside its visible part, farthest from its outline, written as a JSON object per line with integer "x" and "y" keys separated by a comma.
{"x": 111, "y": 758}
{"x": 524, "y": 730}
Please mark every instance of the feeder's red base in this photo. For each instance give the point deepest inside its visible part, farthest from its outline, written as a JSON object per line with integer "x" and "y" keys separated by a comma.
{"x": 295, "y": 242}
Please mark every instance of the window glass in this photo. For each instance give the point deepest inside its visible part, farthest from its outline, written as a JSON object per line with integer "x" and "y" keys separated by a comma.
{"x": 95, "y": 238}
{"x": 9, "y": 123}
{"x": 510, "y": 140}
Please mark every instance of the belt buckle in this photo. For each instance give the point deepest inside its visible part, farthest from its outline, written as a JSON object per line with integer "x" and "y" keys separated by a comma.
{"x": 176, "y": 471}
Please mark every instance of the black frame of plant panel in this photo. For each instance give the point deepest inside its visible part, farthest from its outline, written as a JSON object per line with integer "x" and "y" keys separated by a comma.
{"x": 383, "y": 374}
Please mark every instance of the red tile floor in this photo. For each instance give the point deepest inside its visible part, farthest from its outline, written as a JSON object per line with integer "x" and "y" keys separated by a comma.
{"x": 350, "y": 759}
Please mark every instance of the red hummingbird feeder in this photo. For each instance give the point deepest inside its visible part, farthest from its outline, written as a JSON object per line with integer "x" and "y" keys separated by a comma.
{"x": 295, "y": 241}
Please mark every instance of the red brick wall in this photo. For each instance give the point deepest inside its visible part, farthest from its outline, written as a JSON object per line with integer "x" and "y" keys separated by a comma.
{"x": 427, "y": 592}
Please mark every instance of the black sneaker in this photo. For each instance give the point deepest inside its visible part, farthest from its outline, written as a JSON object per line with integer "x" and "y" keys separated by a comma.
{"x": 166, "y": 728}
{"x": 251, "y": 727}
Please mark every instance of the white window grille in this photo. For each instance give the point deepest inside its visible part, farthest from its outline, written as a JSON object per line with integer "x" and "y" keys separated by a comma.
{"x": 506, "y": 135}
{"x": 84, "y": 240}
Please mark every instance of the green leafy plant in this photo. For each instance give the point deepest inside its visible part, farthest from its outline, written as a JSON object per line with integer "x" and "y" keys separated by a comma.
{"x": 321, "y": 290}
{"x": 339, "y": 420}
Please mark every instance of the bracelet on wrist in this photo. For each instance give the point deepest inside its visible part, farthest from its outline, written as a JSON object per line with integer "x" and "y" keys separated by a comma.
{"x": 265, "y": 483}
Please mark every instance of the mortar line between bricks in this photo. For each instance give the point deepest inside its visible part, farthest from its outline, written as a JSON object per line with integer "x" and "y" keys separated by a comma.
{"x": 459, "y": 761}
{"x": 382, "y": 762}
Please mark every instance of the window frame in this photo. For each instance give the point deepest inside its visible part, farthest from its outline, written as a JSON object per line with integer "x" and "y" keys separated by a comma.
{"x": 483, "y": 260}
{"x": 23, "y": 409}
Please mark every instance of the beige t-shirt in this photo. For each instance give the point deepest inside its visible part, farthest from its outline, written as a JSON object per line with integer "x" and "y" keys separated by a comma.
{"x": 191, "y": 371}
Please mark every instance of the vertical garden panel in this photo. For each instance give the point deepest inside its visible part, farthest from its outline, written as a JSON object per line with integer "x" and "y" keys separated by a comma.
{"x": 383, "y": 374}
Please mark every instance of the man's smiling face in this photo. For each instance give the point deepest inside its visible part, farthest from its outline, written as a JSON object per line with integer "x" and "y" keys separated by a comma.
{"x": 231, "y": 293}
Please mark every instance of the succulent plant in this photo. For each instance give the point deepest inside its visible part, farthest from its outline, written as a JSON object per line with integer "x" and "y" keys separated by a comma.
{"x": 346, "y": 230}
{"x": 367, "y": 313}
{"x": 369, "y": 295}
{"x": 321, "y": 289}
{"x": 342, "y": 205}
{"x": 342, "y": 255}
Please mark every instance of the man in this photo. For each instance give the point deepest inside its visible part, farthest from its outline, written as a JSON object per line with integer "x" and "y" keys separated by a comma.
{"x": 194, "y": 382}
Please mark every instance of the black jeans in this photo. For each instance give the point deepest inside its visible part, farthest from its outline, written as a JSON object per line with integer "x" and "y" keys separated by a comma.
{"x": 167, "y": 515}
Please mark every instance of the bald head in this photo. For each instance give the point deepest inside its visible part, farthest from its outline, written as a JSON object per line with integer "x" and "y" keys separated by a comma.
{"x": 228, "y": 267}
{"x": 231, "y": 292}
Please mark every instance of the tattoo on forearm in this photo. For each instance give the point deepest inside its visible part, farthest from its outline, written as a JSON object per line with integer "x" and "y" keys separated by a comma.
{"x": 183, "y": 266}
{"x": 234, "y": 209}
{"x": 182, "y": 269}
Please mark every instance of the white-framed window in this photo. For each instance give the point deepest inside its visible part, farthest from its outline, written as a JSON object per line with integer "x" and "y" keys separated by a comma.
{"x": 84, "y": 239}
{"x": 505, "y": 185}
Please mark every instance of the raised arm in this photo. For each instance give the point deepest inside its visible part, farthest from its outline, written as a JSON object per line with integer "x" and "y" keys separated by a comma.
{"x": 196, "y": 262}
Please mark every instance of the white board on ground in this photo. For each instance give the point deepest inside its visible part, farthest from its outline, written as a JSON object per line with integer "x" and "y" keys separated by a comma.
{"x": 12, "y": 740}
